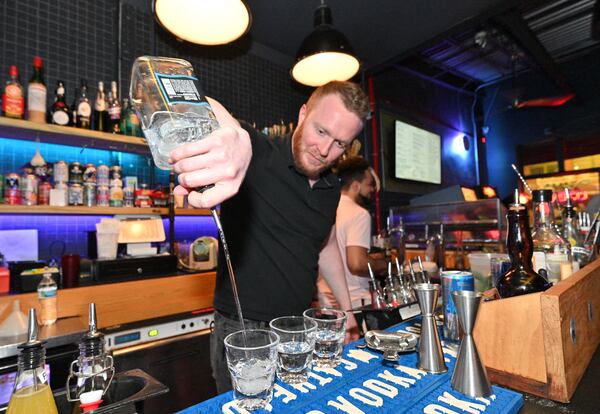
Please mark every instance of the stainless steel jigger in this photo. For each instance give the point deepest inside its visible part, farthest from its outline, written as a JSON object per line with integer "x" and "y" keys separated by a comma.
{"x": 431, "y": 357}
{"x": 469, "y": 376}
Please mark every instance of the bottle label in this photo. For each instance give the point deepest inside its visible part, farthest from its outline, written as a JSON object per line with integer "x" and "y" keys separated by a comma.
{"x": 36, "y": 97}
{"x": 13, "y": 102}
{"x": 100, "y": 105}
{"x": 60, "y": 118}
{"x": 114, "y": 113}
{"x": 84, "y": 109}
{"x": 47, "y": 292}
{"x": 178, "y": 89}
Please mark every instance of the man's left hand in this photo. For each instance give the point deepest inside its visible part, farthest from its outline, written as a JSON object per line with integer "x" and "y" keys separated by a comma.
{"x": 352, "y": 333}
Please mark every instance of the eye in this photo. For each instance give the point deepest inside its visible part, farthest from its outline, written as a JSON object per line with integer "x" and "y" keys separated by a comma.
{"x": 321, "y": 131}
{"x": 339, "y": 144}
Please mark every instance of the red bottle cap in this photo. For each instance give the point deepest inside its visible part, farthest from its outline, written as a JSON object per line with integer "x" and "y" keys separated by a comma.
{"x": 37, "y": 62}
{"x": 13, "y": 71}
{"x": 91, "y": 406}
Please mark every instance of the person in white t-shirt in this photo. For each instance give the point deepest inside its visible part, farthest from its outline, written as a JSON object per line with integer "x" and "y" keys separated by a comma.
{"x": 353, "y": 232}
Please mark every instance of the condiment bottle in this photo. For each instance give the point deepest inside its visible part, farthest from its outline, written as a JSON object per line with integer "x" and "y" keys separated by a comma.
{"x": 32, "y": 393}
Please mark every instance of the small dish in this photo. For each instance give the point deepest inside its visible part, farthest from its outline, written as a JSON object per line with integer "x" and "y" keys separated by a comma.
{"x": 391, "y": 343}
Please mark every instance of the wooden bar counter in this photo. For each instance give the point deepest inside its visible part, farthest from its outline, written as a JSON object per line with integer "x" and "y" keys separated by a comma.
{"x": 124, "y": 302}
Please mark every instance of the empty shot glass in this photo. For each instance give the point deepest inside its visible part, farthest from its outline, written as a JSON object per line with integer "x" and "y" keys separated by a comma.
{"x": 252, "y": 362}
{"x": 296, "y": 345}
{"x": 329, "y": 341}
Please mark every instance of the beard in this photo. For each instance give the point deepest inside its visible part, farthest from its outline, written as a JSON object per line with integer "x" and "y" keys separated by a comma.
{"x": 364, "y": 201}
{"x": 298, "y": 150}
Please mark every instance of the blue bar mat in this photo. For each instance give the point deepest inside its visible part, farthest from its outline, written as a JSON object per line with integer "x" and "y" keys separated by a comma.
{"x": 364, "y": 383}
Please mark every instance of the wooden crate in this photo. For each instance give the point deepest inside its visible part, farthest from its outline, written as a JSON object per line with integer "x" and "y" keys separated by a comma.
{"x": 542, "y": 343}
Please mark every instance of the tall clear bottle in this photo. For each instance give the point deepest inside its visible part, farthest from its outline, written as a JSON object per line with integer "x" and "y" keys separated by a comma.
{"x": 571, "y": 232}
{"x": 47, "y": 289}
{"x": 36, "y": 93}
{"x": 32, "y": 393}
{"x": 550, "y": 250}
{"x": 520, "y": 279}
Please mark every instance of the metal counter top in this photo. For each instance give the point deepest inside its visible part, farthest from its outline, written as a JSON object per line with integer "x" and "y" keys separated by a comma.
{"x": 63, "y": 332}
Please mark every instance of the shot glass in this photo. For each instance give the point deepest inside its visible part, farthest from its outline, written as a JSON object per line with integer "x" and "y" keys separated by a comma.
{"x": 296, "y": 345}
{"x": 329, "y": 341}
{"x": 252, "y": 362}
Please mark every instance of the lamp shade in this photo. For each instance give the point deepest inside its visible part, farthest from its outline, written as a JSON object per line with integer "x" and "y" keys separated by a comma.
{"x": 205, "y": 22}
{"x": 325, "y": 54}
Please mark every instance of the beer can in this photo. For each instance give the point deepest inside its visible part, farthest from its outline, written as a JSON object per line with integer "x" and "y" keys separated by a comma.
{"x": 89, "y": 194}
{"x": 61, "y": 172}
{"x": 128, "y": 197}
{"x": 29, "y": 190}
{"x": 102, "y": 173}
{"x": 451, "y": 281}
{"x": 44, "y": 193}
{"x": 75, "y": 194}
{"x": 102, "y": 196}
{"x": 12, "y": 190}
{"x": 89, "y": 173}
{"x": 76, "y": 174}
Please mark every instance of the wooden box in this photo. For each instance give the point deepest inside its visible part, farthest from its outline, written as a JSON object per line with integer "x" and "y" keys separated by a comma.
{"x": 542, "y": 343}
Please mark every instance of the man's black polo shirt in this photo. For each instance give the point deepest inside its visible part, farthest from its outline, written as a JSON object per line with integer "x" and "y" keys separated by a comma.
{"x": 275, "y": 227}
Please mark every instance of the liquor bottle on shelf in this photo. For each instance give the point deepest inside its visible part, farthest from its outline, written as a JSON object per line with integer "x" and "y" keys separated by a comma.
{"x": 550, "y": 250}
{"x": 114, "y": 110}
{"x": 130, "y": 123}
{"x": 100, "y": 117}
{"x": 13, "y": 99}
{"x": 520, "y": 279}
{"x": 59, "y": 113}
{"x": 31, "y": 392}
{"x": 82, "y": 109}
{"x": 36, "y": 93}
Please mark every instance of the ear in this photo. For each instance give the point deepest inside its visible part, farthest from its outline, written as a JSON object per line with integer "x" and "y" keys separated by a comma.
{"x": 301, "y": 114}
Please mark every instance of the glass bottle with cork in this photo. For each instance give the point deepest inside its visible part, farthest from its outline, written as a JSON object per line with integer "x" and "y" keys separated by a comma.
{"x": 550, "y": 250}
{"x": 59, "y": 113}
{"x": 36, "y": 93}
{"x": 520, "y": 279}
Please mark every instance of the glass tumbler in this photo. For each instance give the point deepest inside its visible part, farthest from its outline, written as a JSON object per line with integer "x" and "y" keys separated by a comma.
{"x": 296, "y": 345}
{"x": 331, "y": 329}
{"x": 252, "y": 362}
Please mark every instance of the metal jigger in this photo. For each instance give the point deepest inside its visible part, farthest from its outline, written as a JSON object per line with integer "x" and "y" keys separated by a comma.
{"x": 469, "y": 376}
{"x": 431, "y": 357}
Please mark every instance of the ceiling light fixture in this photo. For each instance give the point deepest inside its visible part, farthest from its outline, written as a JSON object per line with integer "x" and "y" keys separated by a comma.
{"x": 205, "y": 22}
{"x": 325, "y": 54}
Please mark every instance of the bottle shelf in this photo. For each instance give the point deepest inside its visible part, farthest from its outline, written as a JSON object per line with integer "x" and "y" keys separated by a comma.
{"x": 99, "y": 211}
{"x": 85, "y": 138}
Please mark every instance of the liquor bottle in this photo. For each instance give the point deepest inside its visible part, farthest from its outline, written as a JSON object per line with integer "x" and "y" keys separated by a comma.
{"x": 13, "y": 99}
{"x": 114, "y": 110}
{"x": 571, "y": 232}
{"x": 100, "y": 117}
{"x": 46, "y": 290}
{"x": 130, "y": 123}
{"x": 520, "y": 279}
{"x": 82, "y": 108}
{"x": 31, "y": 392}
{"x": 59, "y": 113}
{"x": 550, "y": 250}
{"x": 36, "y": 93}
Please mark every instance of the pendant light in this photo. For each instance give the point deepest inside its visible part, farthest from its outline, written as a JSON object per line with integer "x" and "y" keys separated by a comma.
{"x": 325, "y": 54}
{"x": 205, "y": 22}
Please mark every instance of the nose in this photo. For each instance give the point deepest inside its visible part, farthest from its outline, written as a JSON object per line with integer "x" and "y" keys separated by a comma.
{"x": 325, "y": 146}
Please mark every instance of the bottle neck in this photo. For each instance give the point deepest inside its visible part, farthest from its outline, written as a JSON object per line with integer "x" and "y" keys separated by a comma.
{"x": 543, "y": 214}
{"x": 38, "y": 75}
{"x": 518, "y": 241}
{"x": 31, "y": 368}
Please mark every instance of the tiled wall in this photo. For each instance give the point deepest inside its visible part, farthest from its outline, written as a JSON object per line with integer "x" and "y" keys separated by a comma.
{"x": 79, "y": 39}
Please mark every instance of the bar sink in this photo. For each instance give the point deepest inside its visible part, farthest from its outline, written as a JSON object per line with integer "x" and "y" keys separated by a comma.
{"x": 128, "y": 390}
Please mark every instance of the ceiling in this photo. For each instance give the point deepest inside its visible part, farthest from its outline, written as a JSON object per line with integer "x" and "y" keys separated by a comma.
{"x": 437, "y": 39}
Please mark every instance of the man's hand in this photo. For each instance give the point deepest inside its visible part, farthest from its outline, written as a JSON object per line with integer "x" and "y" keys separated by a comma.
{"x": 221, "y": 158}
{"x": 352, "y": 333}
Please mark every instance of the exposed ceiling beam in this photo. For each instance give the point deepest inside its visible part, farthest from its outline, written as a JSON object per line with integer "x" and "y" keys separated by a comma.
{"x": 514, "y": 26}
